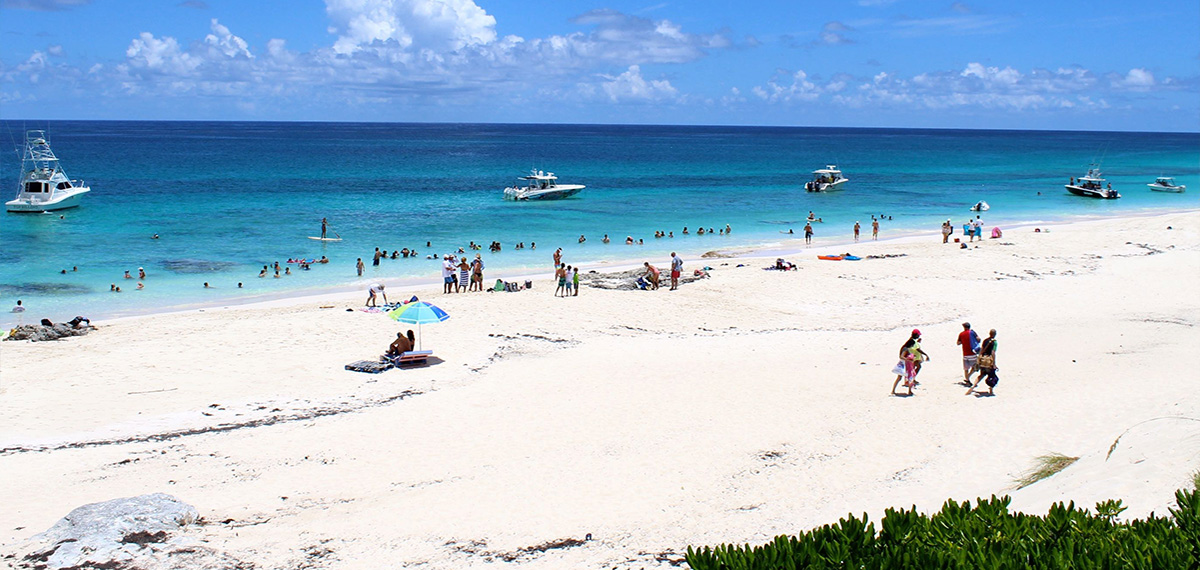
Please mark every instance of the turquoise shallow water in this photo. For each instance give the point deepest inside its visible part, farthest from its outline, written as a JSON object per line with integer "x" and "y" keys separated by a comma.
{"x": 227, "y": 198}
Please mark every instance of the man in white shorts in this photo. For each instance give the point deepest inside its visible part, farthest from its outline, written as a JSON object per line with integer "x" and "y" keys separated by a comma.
{"x": 376, "y": 290}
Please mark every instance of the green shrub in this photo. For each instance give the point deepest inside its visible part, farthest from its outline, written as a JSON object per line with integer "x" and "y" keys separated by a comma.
{"x": 985, "y": 536}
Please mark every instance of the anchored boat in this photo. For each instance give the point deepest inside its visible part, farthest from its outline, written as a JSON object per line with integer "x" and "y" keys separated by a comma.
{"x": 540, "y": 185}
{"x": 1166, "y": 184}
{"x": 44, "y": 185}
{"x": 1092, "y": 186}
{"x": 826, "y": 179}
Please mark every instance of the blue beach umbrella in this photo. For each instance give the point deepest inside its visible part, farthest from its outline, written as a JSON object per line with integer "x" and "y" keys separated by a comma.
{"x": 419, "y": 313}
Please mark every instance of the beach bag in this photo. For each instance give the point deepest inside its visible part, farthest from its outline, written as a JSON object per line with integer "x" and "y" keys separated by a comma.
{"x": 992, "y": 380}
{"x": 996, "y": 233}
{"x": 528, "y": 284}
{"x": 899, "y": 369}
{"x": 987, "y": 361}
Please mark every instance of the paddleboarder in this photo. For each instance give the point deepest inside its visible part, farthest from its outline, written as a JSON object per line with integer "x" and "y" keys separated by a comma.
{"x": 324, "y": 224}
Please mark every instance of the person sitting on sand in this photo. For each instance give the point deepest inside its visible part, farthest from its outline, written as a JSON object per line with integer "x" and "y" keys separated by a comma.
{"x": 651, "y": 275}
{"x": 401, "y": 345}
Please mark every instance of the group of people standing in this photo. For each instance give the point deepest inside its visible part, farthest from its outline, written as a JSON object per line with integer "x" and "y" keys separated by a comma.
{"x": 653, "y": 274}
{"x": 972, "y": 229}
{"x": 978, "y": 357}
{"x": 567, "y": 276}
{"x": 458, "y": 274}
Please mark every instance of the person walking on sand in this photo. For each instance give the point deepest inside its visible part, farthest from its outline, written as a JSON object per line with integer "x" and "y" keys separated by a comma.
{"x": 359, "y": 266}
{"x": 808, "y": 231}
{"x": 947, "y": 229}
{"x": 676, "y": 270}
{"x": 987, "y": 364}
{"x": 969, "y": 341}
{"x": 874, "y": 229}
{"x": 857, "y": 228}
{"x": 912, "y": 356}
{"x": 560, "y": 273}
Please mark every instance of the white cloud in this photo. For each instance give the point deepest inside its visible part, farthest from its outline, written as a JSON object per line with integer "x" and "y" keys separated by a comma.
{"x": 834, "y": 33}
{"x": 1137, "y": 79}
{"x": 160, "y": 55}
{"x": 437, "y": 25}
{"x": 226, "y": 43}
{"x": 800, "y": 89}
{"x": 631, "y": 86}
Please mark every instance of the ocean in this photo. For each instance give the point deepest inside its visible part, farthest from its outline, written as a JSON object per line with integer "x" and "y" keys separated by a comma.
{"x": 226, "y": 198}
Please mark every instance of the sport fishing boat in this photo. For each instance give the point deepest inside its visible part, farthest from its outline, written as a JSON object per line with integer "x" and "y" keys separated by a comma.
{"x": 826, "y": 179}
{"x": 540, "y": 185}
{"x": 44, "y": 186}
{"x": 1092, "y": 186}
{"x": 1166, "y": 184}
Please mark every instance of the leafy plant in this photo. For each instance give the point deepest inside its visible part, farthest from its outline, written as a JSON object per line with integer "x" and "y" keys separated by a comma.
{"x": 985, "y": 535}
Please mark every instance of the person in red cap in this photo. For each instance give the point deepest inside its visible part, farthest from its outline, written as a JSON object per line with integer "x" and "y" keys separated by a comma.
{"x": 912, "y": 356}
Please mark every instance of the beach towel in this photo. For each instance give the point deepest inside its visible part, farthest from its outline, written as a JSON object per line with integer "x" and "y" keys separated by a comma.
{"x": 368, "y": 366}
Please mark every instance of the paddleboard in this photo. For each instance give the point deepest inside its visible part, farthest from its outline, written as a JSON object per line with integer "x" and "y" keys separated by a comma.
{"x": 324, "y": 239}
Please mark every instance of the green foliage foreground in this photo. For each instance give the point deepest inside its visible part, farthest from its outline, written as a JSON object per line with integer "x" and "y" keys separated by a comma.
{"x": 984, "y": 536}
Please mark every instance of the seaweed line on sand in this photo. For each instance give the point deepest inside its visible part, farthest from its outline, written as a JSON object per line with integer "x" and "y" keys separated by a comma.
{"x": 309, "y": 414}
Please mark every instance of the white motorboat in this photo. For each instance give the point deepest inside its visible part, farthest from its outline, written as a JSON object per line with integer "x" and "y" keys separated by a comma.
{"x": 980, "y": 206}
{"x": 826, "y": 179}
{"x": 539, "y": 185}
{"x": 1092, "y": 186}
{"x": 44, "y": 186}
{"x": 1166, "y": 184}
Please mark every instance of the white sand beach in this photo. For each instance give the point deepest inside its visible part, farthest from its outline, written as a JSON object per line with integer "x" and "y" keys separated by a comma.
{"x": 743, "y": 406}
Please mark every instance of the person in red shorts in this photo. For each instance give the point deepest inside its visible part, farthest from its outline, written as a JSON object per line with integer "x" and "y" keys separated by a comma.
{"x": 676, "y": 270}
{"x": 969, "y": 341}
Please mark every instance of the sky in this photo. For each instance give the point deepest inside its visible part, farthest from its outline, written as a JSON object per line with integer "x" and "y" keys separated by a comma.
{"x": 1015, "y": 64}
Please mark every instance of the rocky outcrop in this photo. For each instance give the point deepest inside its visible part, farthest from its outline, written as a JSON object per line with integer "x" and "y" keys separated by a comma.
{"x": 147, "y": 532}
{"x": 37, "y": 333}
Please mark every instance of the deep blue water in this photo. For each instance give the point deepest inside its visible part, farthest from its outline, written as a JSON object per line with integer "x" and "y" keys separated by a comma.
{"x": 227, "y": 198}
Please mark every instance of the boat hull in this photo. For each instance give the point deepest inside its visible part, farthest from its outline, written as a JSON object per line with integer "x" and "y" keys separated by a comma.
{"x": 31, "y": 206}
{"x": 815, "y": 186}
{"x": 1171, "y": 189}
{"x": 1089, "y": 193}
{"x": 549, "y": 194}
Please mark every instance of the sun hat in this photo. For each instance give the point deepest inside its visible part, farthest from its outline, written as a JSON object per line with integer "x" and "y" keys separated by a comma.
{"x": 916, "y": 332}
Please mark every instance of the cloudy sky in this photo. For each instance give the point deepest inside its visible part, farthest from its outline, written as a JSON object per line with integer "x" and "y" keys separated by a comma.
{"x": 1036, "y": 64}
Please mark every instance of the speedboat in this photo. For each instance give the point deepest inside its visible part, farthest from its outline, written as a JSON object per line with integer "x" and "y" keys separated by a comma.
{"x": 1092, "y": 186}
{"x": 1166, "y": 184}
{"x": 980, "y": 206}
{"x": 44, "y": 186}
{"x": 826, "y": 179}
{"x": 538, "y": 185}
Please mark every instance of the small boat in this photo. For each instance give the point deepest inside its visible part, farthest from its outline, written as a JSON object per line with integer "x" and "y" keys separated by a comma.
{"x": 540, "y": 185}
{"x": 1166, "y": 184}
{"x": 826, "y": 179}
{"x": 980, "y": 206}
{"x": 44, "y": 186}
{"x": 1092, "y": 186}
